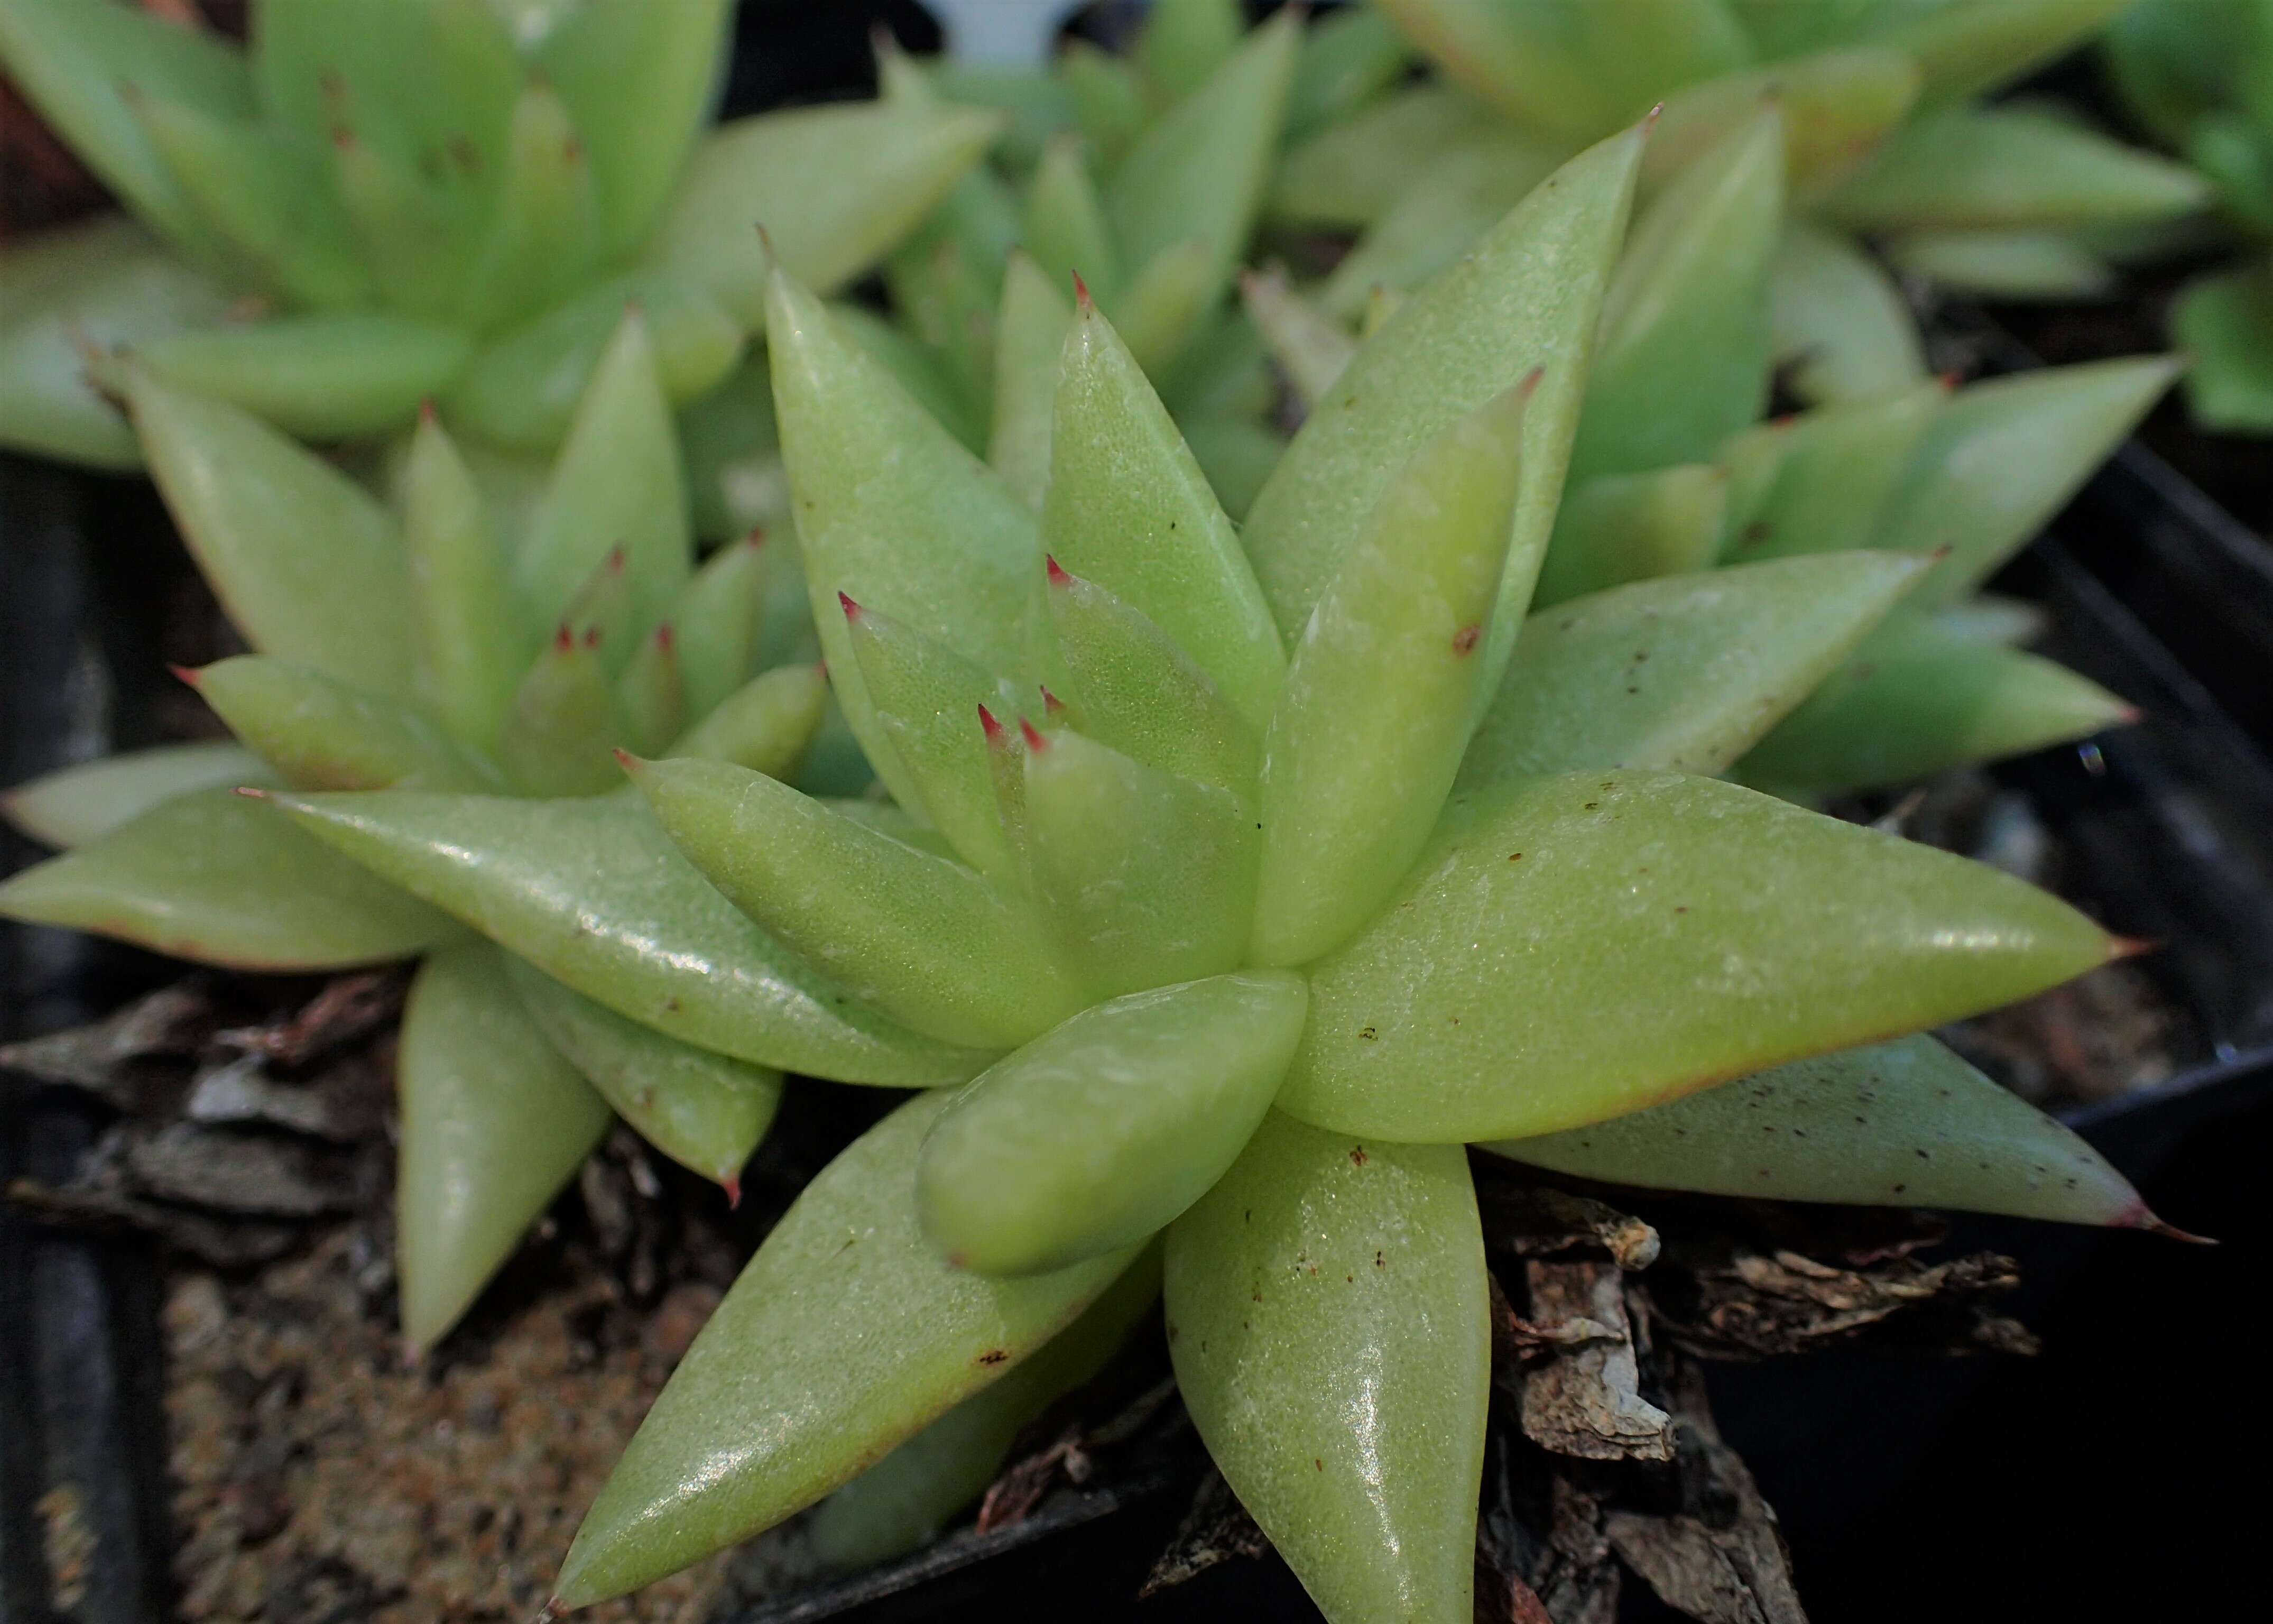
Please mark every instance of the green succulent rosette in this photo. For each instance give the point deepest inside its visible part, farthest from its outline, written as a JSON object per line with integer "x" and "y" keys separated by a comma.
{"x": 379, "y": 202}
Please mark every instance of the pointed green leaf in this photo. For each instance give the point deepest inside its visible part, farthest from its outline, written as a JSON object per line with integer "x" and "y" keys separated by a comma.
{"x": 1184, "y": 42}
{"x": 2225, "y": 324}
{"x": 1237, "y": 454}
{"x": 592, "y": 893}
{"x": 1102, "y": 1131}
{"x": 74, "y": 805}
{"x": 1992, "y": 167}
{"x": 1518, "y": 61}
{"x": 1144, "y": 695}
{"x": 618, "y": 484}
{"x": 1065, "y": 228}
{"x": 1350, "y": 56}
{"x": 1837, "y": 321}
{"x": 544, "y": 226}
{"x": 766, "y": 725}
{"x": 904, "y": 1500}
{"x": 1529, "y": 296}
{"x": 1350, "y": 173}
{"x": 1310, "y": 347}
{"x": 1834, "y": 469}
{"x": 1031, "y": 97}
{"x": 1837, "y": 107}
{"x": 1518, "y": 986}
{"x": 80, "y": 64}
{"x": 2006, "y": 455}
{"x": 493, "y": 1122}
{"x": 1129, "y": 510}
{"x": 473, "y": 643}
{"x": 835, "y": 187}
{"x": 565, "y": 727}
{"x": 1029, "y": 338}
{"x": 416, "y": 237}
{"x": 1107, "y": 97}
{"x": 844, "y": 1336}
{"x": 308, "y": 565}
{"x": 706, "y": 1112}
{"x": 219, "y": 879}
{"x": 1683, "y": 357}
{"x": 1634, "y": 527}
{"x": 1385, "y": 686}
{"x": 1163, "y": 306}
{"x": 1679, "y": 675}
{"x": 1437, "y": 216}
{"x": 1905, "y": 1123}
{"x": 1918, "y": 700}
{"x": 2054, "y": 267}
{"x": 1967, "y": 49}
{"x": 923, "y": 369}
{"x": 1328, "y": 1317}
{"x": 651, "y": 692}
{"x": 945, "y": 283}
{"x": 1199, "y": 173}
{"x": 716, "y": 619}
{"x": 925, "y": 939}
{"x": 319, "y": 734}
{"x": 931, "y": 536}
{"x": 331, "y": 377}
{"x": 639, "y": 81}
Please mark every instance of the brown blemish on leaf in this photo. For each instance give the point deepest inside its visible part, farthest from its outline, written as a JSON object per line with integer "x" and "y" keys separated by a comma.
{"x": 1357, "y": 1155}
{"x": 993, "y": 1355}
{"x": 1464, "y": 641}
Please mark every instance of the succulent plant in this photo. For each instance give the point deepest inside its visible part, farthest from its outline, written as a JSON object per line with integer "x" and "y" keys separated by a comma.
{"x": 408, "y": 647}
{"x": 1885, "y": 139}
{"x": 2193, "y": 76}
{"x": 1674, "y": 471}
{"x": 385, "y": 201}
{"x": 1240, "y": 880}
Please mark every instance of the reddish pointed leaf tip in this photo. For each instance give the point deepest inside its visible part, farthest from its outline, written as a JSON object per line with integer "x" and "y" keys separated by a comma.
{"x": 766, "y": 247}
{"x": 851, "y": 610}
{"x": 1950, "y": 381}
{"x": 1035, "y": 741}
{"x": 1082, "y": 301}
{"x": 2139, "y": 1216}
{"x": 732, "y": 1184}
{"x": 190, "y": 675}
{"x": 990, "y": 725}
{"x": 617, "y": 558}
{"x": 1649, "y": 120}
{"x": 2130, "y": 947}
{"x": 1528, "y": 386}
{"x": 252, "y": 792}
{"x": 757, "y": 538}
{"x": 426, "y": 413}
{"x": 1051, "y": 703}
{"x": 2129, "y": 716}
{"x": 631, "y": 763}
{"x": 1055, "y": 570}
{"x": 564, "y": 639}
{"x": 664, "y": 636}
{"x": 552, "y": 1610}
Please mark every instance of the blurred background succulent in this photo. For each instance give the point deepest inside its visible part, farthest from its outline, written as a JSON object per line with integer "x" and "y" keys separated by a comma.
{"x": 443, "y": 644}
{"x": 1246, "y": 876}
{"x": 378, "y": 202}
{"x": 2197, "y": 76}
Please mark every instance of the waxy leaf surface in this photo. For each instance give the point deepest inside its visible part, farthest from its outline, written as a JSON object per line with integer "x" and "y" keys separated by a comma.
{"x": 1634, "y": 527}
{"x": 473, "y": 644}
{"x": 1327, "y": 1315}
{"x": 317, "y": 377}
{"x": 73, "y": 804}
{"x": 1838, "y": 320}
{"x": 1519, "y": 985}
{"x": 322, "y": 735}
{"x": 845, "y": 1335}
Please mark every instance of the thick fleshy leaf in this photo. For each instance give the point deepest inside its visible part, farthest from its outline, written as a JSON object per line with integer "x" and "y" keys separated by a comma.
{"x": 930, "y": 536}
{"x": 1634, "y": 527}
{"x": 1349, "y": 175}
{"x": 1350, "y": 56}
{"x": 1031, "y": 97}
{"x": 1683, "y": 357}
{"x": 592, "y": 893}
{"x": 638, "y": 80}
{"x": 319, "y": 734}
{"x": 1998, "y": 167}
{"x": 1517, "y": 987}
{"x": 79, "y": 64}
{"x": 1838, "y": 322}
{"x": 1965, "y": 49}
{"x": 1165, "y": 305}
{"x": 77, "y": 291}
{"x": 326, "y": 377}
{"x": 922, "y": 368}
{"x": 1837, "y": 107}
{"x": 1529, "y": 296}
{"x": 1681, "y": 675}
{"x": 2010, "y": 266}
{"x": 1386, "y": 684}
{"x": 906, "y": 1498}
{"x": 1310, "y": 347}
{"x": 493, "y": 1122}
{"x": 415, "y": 237}
{"x": 2225, "y": 324}
{"x": 1184, "y": 42}
{"x": 717, "y": 619}
{"x": 1439, "y": 214}
{"x": 1065, "y": 228}
{"x": 946, "y": 284}
{"x": 308, "y": 565}
{"x": 651, "y": 692}
{"x": 1905, "y": 1123}
{"x": 834, "y": 187}
{"x": 219, "y": 879}
{"x": 618, "y": 484}
{"x": 1832, "y": 471}
{"x": 1144, "y": 695}
{"x": 705, "y": 1111}
{"x": 1328, "y": 1318}
{"x": 1920, "y": 699}
{"x": 544, "y": 232}
{"x": 1129, "y": 509}
{"x": 845, "y": 1335}
{"x": 924, "y": 938}
{"x": 2004, "y": 456}
{"x": 1518, "y": 61}
{"x": 1029, "y": 338}
{"x": 1104, "y": 1129}
{"x": 1237, "y": 454}
{"x": 1149, "y": 878}
{"x": 473, "y": 642}
{"x": 928, "y": 699}
{"x": 767, "y": 725}
{"x": 75, "y": 805}
{"x": 1199, "y": 173}
{"x": 565, "y": 727}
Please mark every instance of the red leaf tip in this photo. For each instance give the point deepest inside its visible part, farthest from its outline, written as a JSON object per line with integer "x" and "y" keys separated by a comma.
{"x": 990, "y": 725}
{"x": 851, "y": 610}
{"x": 732, "y": 1184}
{"x": 565, "y": 639}
{"x": 1035, "y": 741}
{"x": 618, "y": 558}
{"x": 1056, "y": 571}
{"x": 665, "y": 637}
{"x": 252, "y": 792}
{"x": 1052, "y": 705}
{"x": 190, "y": 675}
{"x": 1081, "y": 295}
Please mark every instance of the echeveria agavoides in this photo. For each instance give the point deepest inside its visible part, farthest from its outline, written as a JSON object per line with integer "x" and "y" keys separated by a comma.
{"x": 403, "y": 654}
{"x": 378, "y": 202}
{"x": 1236, "y": 990}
